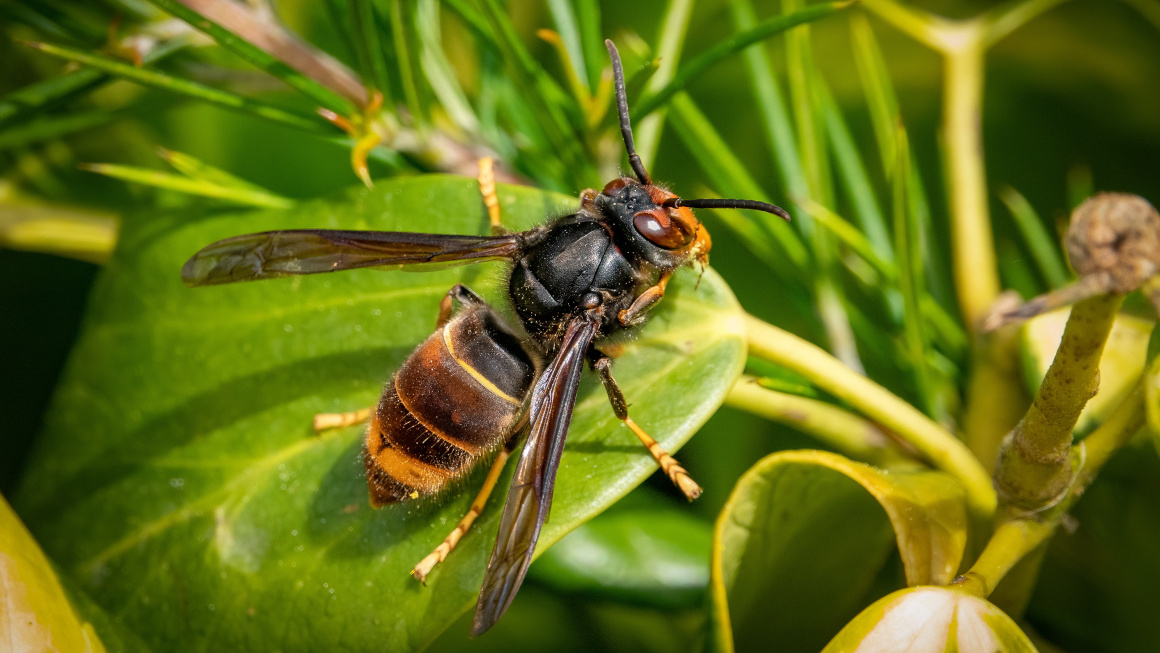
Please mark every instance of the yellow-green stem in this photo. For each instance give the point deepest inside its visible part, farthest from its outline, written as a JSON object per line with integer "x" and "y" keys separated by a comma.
{"x": 1008, "y": 545}
{"x": 1035, "y": 461}
{"x": 854, "y": 436}
{"x": 935, "y": 444}
{"x": 975, "y": 270}
{"x": 1014, "y": 539}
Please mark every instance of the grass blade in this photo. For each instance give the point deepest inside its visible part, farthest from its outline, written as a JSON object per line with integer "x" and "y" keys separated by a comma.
{"x": 159, "y": 80}
{"x": 51, "y": 128}
{"x": 405, "y": 57}
{"x": 856, "y": 181}
{"x": 730, "y": 177}
{"x": 1044, "y": 248}
{"x": 876, "y": 84}
{"x": 437, "y": 69}
{"x": 43, "y": 94}
{"x": 674, "y": 26}
{"x": 591, "y": 40}
{"x": 569, "y": 31}
{"x": 341, "y": 91}
{"x": 729, "y": 46}
{"x": 189, "y": 186}
{"x": 549, "y": 103}
{"x": 783, "y": 147}
{"x": 366, "y": 38}
{"x": 910, "y": 268}
{"x": 202, "y": 171}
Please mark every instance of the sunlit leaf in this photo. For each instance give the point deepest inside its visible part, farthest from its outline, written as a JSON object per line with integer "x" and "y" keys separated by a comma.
{"x": 800, "y": 543}
{"x": 180, "y": 446}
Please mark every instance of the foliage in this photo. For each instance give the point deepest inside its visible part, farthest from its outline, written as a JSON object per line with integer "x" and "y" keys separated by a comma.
{"x": 178, "y": 442}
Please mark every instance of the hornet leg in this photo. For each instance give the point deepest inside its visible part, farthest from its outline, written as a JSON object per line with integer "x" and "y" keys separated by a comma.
{"x": 325, "y": 421}
{"x": 669, "y": 465}
{"x": 445, "y": 547}
{"x": 636, "y": 312}
{"x": 490, "y": 199}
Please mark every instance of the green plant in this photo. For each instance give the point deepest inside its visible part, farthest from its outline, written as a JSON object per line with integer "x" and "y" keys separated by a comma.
{"x": 176, "y": 483}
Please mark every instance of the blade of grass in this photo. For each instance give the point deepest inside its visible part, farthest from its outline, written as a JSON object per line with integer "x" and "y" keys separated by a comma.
{"x": 15, "y": 12}
{"x": 671, "y": 39}
{"x": 40, "y": 96}
{"x": 202, "y": 171}
{"x": 437, "y": 69}
{"x": 159, "y": 80}
{"x": 876, "y": 85}
{"x": 730, "y": 177}
{"x": 854, "y": 239}
{"x": 774, "y": 116}
{"x": 52, "y": 128}
{"x": 549, "y": 103}
{"x": 366, "y": 38}
{"x": 189, "y": 186}
{"x": 910, "y": 268}
{"x": 731, "y": 46}
{"x": 804, "y": 85}
{"x": 569, "y": 31}
{"x": 855, "y": 180}
{"x": 591, "y": 39}
{"x": 340, "y": 92}
{"x": 405, "y": 59}
{"x": 43, "y": 94}
{"x": 1043, "y": 247}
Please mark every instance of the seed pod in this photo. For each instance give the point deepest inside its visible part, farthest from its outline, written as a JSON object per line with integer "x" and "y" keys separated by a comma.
{"x": 1115, "y": 236}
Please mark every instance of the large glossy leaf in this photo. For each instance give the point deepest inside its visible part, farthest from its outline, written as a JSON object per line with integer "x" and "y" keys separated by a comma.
{"x": 804, "y": 536}
{"x": 181, "y": 485}
{"x": 35, "y": 613}
{"x": 653, "y": 554}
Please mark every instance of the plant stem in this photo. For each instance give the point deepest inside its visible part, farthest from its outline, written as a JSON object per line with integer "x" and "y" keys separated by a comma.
{"x": 975, "y": 269}
{"x": 854, "y": 436}
{"x": 1015, "y": 538}
{"x": 1035, "y": 465}
{"x": 1008, "y": 545}
{"x": 937, "y": 445}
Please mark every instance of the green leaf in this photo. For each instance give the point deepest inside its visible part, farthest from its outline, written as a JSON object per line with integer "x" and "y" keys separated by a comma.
{"x": 799, "y": 545}
{"x": 931, "y": 619}
{"x": 35, "y": 614}
{"x": 653, "y": 555}
{"x": 180, "y": 444}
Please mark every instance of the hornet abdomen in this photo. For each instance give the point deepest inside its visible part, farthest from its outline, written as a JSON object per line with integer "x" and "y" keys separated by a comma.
{"x": 455, "y": 400}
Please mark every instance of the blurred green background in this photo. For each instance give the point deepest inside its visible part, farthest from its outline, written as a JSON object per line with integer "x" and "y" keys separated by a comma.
{"x": 1070, "y": 105}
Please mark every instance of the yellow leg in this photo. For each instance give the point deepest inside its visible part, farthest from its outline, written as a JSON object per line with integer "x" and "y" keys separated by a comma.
{"x": 324, "y": 421}
{"x": 669, "y": 465}
{"x": 440, "y": 553}
{"x": 490, "y": 199}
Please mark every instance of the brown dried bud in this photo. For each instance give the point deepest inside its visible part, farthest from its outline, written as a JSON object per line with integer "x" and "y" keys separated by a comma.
{"x": 1115, "y": 237}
